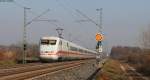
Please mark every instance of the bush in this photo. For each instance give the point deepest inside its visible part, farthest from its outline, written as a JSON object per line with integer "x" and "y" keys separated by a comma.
{"x": 144, "y": 66}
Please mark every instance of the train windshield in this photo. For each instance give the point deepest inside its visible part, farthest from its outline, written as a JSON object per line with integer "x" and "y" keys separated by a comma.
{"x": 48, "y": 42}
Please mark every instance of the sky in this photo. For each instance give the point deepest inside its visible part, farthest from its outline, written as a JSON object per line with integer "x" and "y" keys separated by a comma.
{"x": 122, "y": 21}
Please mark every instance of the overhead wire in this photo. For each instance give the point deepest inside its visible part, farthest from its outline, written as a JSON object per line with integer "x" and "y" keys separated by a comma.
{"x": 80, "y": 14}
{"x": 17, "y": 4}
{"x": 71, "y": 10}
{"x": 31, "y": 11}
{"x": 72, "y": 13}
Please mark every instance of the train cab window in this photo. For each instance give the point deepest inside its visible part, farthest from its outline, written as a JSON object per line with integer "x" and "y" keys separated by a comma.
{"x": 44, "y": 42}
{"x": 48, "y": 42}
{"x": 52, "y": 42}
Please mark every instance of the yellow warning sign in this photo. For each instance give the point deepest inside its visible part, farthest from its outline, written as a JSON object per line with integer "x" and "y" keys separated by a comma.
{"x": 99, "y": 37}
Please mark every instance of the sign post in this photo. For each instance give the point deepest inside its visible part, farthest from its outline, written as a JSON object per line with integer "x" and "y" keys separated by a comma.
{"x": 99, "y": 37}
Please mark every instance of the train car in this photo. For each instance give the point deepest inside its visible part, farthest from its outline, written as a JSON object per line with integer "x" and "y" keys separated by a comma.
{"x": 54, "y": 48}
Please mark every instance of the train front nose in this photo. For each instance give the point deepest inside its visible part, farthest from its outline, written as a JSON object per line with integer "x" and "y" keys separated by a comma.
{"x": 48, "y": 55}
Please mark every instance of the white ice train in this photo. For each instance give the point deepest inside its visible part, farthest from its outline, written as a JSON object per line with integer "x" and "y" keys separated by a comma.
{"x": 54, "y": 48}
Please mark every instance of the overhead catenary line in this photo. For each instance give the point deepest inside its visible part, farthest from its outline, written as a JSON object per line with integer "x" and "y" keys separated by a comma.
{"x": 37, "y": 17}
{"x": 88, "y": 18}
{"x": 70, "y": 11}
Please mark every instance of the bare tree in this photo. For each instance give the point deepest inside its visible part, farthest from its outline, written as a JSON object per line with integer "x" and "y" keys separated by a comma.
{"x": 146, "y": 38}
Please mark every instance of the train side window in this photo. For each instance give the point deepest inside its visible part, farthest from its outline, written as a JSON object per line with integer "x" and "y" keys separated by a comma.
{"x": 80, "y": 50}
{"x": 73, "y": 48}
{"x": 86, "y": 51}
{"x": 67, "y": 45}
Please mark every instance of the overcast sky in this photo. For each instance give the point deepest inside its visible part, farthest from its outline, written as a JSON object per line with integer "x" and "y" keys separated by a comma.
{"x": 123, "y": 20}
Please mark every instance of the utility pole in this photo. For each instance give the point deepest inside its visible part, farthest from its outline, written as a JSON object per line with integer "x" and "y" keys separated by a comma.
{"x": 25, "y": 32}
{"x": 59, "y": 31}
{"x": 99, "y": 43}
{"x": 24, "y": 37}
{"x": 100, "y": 19}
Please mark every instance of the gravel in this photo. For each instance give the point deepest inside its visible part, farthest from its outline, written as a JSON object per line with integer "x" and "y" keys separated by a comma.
{"x": 78, "y": 73}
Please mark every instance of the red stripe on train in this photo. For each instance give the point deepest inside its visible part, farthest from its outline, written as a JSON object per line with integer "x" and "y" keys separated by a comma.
{"x": 70, "y": 53}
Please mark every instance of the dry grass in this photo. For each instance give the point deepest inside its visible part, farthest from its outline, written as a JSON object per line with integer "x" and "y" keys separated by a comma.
{"x": 7, "y": 58}
{"x": 112, "y": 71}
{"x": 7, "y": 63}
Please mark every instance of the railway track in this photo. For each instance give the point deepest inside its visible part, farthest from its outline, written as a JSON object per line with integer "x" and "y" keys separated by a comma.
{"x": 18, "y": 65}
{"x": 30, "y": 72}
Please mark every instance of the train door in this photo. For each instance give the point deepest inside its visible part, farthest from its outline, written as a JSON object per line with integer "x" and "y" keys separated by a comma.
{"x": 60, "y": 45}
{"x": 67, "y": 49}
